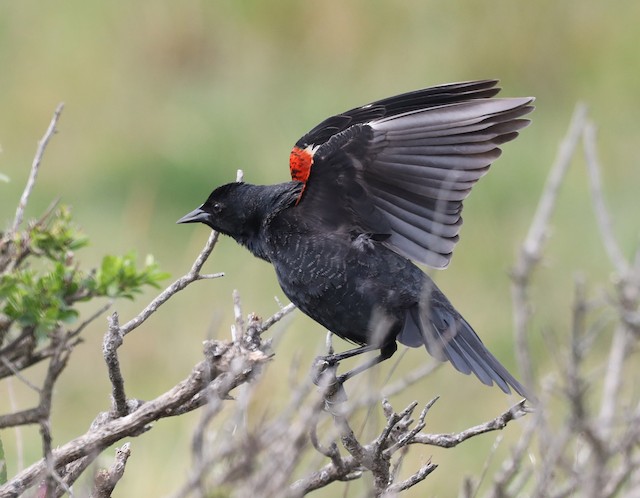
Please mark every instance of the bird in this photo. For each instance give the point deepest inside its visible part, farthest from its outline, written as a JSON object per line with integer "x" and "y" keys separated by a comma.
{"x": 375, "y": 191}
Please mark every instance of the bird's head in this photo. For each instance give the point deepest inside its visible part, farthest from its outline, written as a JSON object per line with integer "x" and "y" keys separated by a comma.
{"x": 225, "y": 210}
{"x": 238, "y": 209}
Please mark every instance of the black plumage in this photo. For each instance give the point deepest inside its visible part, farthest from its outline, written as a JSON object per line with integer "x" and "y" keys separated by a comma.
{"x": 373, "y": 188}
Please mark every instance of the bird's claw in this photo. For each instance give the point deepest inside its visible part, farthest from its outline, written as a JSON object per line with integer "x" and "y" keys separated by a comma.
{"x": 324, "y": 367}
{"x": 324, "y": 376}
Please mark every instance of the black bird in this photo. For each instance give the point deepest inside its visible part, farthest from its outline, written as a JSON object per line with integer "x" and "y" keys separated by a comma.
{"x": 374, "y": 188}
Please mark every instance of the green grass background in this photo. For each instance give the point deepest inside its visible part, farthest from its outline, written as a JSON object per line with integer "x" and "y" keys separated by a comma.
{"x": 165, "y": 100}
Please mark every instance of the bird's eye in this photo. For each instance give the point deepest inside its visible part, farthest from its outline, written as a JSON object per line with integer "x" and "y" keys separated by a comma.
{"x": 216, "y": 208}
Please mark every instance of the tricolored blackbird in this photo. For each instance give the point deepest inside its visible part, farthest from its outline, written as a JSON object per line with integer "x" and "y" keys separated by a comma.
{"x": 374, "y": 188}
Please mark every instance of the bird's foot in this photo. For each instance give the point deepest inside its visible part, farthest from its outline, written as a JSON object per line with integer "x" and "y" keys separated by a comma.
{"x": 330, "y": 384}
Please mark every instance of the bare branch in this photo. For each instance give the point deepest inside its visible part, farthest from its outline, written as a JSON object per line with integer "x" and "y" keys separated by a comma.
{"x": 18, "y": 374}
{"x": 106, "y": 480}
{"x": 497, "y": 424}
{"x": 411, "y": 378}
{"x": 531, "y": 249}
{"x": 514, "y": 464}
{"x": 216, "y": 369}
{"x": 78, "y": 330}
{"x": 416, "y": 478}
{"x": 277, "y": 316}
{"x": 537, "y": 234}
{"x": 35, "y": 166}
{"x": 113, "y": 339}
{"x": 178, "y": 285}
{"x": 613, "y": 379}
{"x": 400, "y": 435}
{"x": 603, "y": 218}
{"x": 237, "y": 329}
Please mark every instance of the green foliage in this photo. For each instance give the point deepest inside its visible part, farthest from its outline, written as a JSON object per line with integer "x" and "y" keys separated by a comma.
{"x": 56, "y": 238}
{"x": 119, "y": 277}
{"x": 42, "y": 300}
{"x": 43, "y": 295}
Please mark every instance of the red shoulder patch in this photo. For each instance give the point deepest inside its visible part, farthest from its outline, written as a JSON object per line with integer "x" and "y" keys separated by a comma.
{"x": 300, "y": 162}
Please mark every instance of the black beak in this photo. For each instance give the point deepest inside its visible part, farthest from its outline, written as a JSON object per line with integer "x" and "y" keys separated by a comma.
{"x": 198, "y": 215}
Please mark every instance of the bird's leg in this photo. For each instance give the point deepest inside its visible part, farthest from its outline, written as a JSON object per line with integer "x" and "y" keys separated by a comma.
{"x": 331, "y": 361}
{"x": 325, "y": 368}
{"x": 386, "y": 352}
{"x": 350, "y": 353}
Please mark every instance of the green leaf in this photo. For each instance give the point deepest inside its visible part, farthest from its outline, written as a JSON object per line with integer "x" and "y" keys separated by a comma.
{"x": 58, "y": 237}
{"x": 42, "y": 294}
{"x": 42, "y": 299}
{"x": 119, "y": 276}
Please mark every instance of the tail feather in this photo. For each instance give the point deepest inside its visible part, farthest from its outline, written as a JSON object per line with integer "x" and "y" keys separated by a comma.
{"x": 448, "y": 337}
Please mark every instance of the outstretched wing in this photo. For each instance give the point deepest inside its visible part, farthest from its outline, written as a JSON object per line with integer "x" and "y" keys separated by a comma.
{"x": 400, "y": 168}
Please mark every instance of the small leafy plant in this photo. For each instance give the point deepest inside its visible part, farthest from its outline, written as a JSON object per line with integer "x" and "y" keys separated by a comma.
{"x": 41, "y": 282}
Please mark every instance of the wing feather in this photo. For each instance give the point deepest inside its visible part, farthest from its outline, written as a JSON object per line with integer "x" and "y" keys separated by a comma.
{"x": 402, "y": 167}
{"x": 391, "y": 106}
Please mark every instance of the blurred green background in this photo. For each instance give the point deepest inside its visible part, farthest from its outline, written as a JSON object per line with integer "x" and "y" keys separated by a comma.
{"x": 165, "y": 100}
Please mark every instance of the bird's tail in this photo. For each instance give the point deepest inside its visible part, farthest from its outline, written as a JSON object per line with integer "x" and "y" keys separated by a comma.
{"x": 437, "y": 325}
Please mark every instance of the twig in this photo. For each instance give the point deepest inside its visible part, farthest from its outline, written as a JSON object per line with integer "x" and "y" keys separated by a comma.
{"x": 165, "y": 405}
{"x": 276, "y": 443}
{"x": 72, "y": 472}
{"x": 537, "y": 234}
{"x": 112, "y": 341}
{"x": 78, "y": 330}
{"x": 620, "y": 476}
{"x": 53, "y": 479}
{"x": 419, "y": 476}
{"x": 575, "y": 388}
{"x": 56, "y": 366}
{"x": 17, "y": 430}
{"x": 330, "y": 452}
{"x": 411, "y": 378}
{"x": 352, "y": 465}
{"x": 613, "y": 379}
{"x": 25, "y": 360}
{"x": 394, "y": 423}
{"x": 18, "y": 374}
{"x": 276, "y": 317}
{"x": 237, "y": 329}
{"x": 531, "y": 249}
{"x": 621, "y": 338}
{"x": 193, "y": 275}
{"x": 35, "y": 166}
{"x": 603, "y": 218}
{"x": 106, "y": 480}
{"x": 198, "y": 445}
{"x": 23, "y": 417}
{"x": 451, "y": 440}
{"x": 513, "y": 465}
